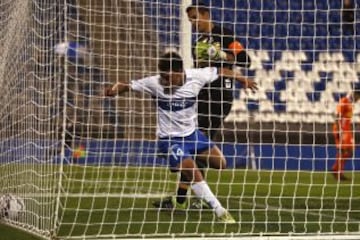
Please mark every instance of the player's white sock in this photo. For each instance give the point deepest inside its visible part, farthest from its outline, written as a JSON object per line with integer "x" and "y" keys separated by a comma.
{"x": 202, "y": 191}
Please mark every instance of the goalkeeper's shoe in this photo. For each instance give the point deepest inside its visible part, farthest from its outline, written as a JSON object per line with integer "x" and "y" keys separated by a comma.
{"x": 226, "y": 218}
{"x": 170, "y": 203}
{"x": 200, "y": 204}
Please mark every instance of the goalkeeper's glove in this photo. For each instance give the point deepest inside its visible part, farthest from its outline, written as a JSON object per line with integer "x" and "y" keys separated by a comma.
{"x": 206, "y": 51}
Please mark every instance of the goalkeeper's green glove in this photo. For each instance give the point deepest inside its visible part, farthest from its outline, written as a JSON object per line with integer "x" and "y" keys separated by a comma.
{"x": 205, "y": 51}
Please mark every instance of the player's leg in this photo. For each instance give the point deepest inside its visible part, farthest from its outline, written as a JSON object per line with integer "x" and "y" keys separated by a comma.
{"x": 345, "y": 148}
{"x": 213, "y": 158}
{"x": 209, "y": 155}
{"x": 203, "y": 125}
{"x": 189, "y": 149}
{"x": 175, "y": 152}
{"x": 187, "y": 166}
{"x": 203, "y": 191}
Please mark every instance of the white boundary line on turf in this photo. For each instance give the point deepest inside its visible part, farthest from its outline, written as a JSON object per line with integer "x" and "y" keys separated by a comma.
{"x": 161, "y": 195}
{"x": 308, "y": 237}
{"x": 98, "y": 195}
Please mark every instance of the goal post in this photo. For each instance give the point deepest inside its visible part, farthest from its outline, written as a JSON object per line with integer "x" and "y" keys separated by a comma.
{"x": 29, "y": 118}
{"x": 88, "y": 166}
{"x": 185, "y": 36}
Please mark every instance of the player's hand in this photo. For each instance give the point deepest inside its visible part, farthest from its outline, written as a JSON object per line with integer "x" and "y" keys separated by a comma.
{"x": 206, "y": 51}
{"x": 215, "y": 53}
{"x": 111, "y": 91}
{"x": 250, "y": 84}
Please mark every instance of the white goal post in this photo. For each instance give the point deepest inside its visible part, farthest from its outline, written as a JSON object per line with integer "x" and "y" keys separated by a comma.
{"x": 88, "y": 166}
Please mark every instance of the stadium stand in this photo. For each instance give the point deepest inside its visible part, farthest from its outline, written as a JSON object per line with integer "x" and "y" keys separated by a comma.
{"x": 296, "y": 73}
{"x": 300, "y": 78}
{"x": 86, "y": 76}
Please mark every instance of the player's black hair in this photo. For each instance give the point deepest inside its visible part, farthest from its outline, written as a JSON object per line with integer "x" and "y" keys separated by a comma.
{"x": 199, "y": 5}
{"x": 170, "y": 61}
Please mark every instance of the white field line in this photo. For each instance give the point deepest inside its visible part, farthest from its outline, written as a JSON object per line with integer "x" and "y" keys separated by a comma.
{"x": 230, "y": 236}
{"x": 162, "y": 195}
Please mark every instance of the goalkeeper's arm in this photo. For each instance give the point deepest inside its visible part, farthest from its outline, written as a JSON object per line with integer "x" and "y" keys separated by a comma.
{"x": 247, "y": 83}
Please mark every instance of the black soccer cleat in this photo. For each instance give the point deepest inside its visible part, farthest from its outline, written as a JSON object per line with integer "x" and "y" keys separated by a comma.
{"x": 200, "y": 204}
{"x": 169, "y": 203}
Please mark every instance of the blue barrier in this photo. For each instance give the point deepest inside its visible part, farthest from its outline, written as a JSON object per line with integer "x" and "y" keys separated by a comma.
{"x": 143, "y": 153}
{"x": 289, "y": 157}
{"x": 267, "y": 156}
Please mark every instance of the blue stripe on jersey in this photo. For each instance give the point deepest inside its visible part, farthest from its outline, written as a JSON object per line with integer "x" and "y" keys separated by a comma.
{"x": 175, "y": 104}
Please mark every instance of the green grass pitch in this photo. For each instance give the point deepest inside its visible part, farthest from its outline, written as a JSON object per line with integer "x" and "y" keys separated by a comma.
{"x": 117, "y": 201}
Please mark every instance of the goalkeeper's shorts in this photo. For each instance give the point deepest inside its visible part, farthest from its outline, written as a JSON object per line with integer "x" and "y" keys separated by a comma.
{"x": 180, "y": 148}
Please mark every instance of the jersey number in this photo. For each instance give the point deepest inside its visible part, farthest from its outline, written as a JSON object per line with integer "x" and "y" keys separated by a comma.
{"x": 228, "y": 83}
{"x": 176, "y": 151}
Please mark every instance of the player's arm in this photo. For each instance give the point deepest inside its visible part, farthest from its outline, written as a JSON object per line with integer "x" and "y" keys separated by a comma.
{"x": 147, "y": 85}
{"x": 247, "y": 83}
{"x": 117, "y": 88}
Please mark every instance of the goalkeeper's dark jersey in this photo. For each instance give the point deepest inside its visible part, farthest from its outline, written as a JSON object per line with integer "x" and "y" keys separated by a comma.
{"x": 215, "y": 99}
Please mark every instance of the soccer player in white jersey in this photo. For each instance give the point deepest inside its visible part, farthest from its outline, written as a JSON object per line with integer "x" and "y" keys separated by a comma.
{"x": 175, "y": 91}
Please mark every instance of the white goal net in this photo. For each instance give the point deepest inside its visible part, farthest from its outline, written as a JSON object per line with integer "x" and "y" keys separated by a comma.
{"x": 88, "y": 166}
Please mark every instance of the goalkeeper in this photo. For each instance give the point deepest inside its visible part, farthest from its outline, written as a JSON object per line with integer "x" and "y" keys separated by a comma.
{"x": 216, "y": 47}
{"x": 175, "y": 91}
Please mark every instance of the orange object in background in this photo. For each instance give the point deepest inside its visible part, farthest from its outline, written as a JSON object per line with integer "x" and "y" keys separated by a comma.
{"x": 236, "y": 47}
{"x": 79, "y": 152}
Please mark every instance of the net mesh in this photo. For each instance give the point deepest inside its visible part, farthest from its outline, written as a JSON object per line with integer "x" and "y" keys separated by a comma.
{"x": 87, "y": 166}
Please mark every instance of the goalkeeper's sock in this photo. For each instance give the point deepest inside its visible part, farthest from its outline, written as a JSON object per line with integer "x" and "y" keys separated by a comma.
{"x": 202, "y": 191}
